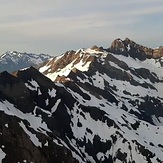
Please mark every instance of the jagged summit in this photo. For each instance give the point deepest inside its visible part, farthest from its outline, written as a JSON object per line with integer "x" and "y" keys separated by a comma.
{"x": 130, "y": 48}
{"x": 64, "y": 64}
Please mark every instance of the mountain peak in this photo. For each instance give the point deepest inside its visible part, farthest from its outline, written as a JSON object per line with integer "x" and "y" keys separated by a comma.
{"x": 128, "y": 47}
{"x": 70, "y": 61}
{"x": 122, "y": 45}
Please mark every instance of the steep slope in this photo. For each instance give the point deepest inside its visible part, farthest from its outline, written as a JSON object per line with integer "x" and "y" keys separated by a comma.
{"x": 11, "y": 61}
{"x": 102, "y": 107}
{"x": 27, "y": 130}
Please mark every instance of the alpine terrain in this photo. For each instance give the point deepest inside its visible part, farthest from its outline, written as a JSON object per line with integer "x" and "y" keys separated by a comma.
{"x": 93, "y": 105}
{"x": 13, "y": 60}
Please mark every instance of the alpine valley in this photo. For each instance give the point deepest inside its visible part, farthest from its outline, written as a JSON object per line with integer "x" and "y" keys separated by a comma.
{"x": 93, "y": 105}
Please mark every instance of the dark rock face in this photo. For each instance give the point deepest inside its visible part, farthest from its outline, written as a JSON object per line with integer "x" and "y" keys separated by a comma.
{"x": 16, "y": 143}
{"x": 14, "y": 90}
{"x": 18, "y": 146}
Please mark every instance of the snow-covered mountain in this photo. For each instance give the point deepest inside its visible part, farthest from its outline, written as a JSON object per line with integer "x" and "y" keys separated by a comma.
{"x": 13, "y": 60}
{"x": 99, "y": 106}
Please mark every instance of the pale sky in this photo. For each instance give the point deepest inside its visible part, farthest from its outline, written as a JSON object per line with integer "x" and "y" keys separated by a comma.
{"x": 55, "y": 26}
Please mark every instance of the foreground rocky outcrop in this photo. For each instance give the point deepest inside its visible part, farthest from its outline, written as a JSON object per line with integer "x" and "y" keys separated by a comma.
{"x": 20, "y": 110}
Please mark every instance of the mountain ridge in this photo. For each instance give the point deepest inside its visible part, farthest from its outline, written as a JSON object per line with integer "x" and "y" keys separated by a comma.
{"x": 75, "y": 58}
{"x": 91, "y": 105}
{"x": 13, "y": 60}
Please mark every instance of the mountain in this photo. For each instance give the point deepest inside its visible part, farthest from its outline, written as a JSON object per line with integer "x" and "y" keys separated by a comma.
{"x": 13, "y": 60}
{"x": 99, "y": 106}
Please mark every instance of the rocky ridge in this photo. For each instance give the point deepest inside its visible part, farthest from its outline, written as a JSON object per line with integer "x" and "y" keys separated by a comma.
{"x": 129, "y": 47}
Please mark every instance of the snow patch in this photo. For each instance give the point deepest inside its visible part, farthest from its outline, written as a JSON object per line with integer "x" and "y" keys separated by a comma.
{"x": 52, "y": 93}
{"x": 35, "y": 122}
{"x": 6, "y": 125}
{"x": 32, "y": 136}
{"x": 32, "y": 85}
{"x": 54, "y": 108}
{"x": 44, "y": 68}
{"x": 2, "y": 155}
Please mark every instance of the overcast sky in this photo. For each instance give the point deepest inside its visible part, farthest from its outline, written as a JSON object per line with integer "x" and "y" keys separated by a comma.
{"x": 55, "y": 26}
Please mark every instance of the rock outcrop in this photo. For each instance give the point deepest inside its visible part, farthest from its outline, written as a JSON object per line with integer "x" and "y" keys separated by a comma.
{"x": 129, "y": 47}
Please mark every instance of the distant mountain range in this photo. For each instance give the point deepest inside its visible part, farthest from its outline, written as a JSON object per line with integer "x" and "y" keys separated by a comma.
{"x": 93, "y": 105}
{"x": 13, "y": 60}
